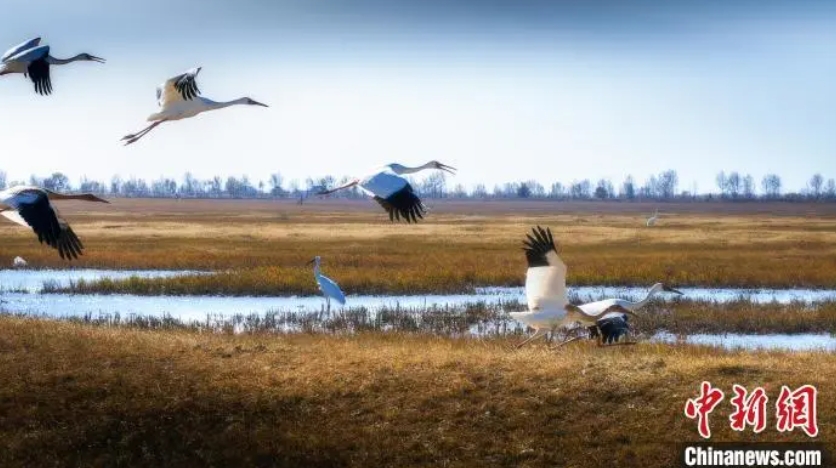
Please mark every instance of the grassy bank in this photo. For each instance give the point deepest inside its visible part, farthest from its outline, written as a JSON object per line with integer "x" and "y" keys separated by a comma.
{"x": 81, "y": 396}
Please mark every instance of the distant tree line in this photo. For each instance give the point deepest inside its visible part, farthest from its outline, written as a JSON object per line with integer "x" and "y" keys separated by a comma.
{"x": 663, "y": 186}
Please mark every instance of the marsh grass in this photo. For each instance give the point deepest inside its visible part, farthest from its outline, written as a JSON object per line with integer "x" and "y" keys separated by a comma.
{"x": 260, "y": 248}
{"x": 81, "y": 395}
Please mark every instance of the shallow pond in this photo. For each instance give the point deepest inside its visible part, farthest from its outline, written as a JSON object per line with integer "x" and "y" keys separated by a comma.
{"x": 198, "y": 307}
{"x": 32, "y": 281}
{"x": 783, "y": 342}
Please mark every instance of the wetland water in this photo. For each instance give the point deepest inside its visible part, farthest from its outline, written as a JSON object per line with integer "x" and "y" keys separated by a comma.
{"x": 20, "y": 292}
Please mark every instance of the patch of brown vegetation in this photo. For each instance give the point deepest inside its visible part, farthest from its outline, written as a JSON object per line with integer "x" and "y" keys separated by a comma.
{"x": 76, "y": 395}
{"x": 265, "y": 244}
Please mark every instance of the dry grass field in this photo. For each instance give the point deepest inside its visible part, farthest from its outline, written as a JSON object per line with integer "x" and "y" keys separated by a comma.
{"x": 261, "y": 247}
{"x": 79, "y": 395}
{"x": 404, "y": 389}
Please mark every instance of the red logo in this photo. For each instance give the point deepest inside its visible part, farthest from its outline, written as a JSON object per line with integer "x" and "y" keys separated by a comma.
{"x": 699, "y": 408}
{"x": 797, "y": 409}
{"x": 751, "y": 410}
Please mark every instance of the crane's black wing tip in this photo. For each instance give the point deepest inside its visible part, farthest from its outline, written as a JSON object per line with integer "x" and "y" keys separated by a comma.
{"x": 537, "y": 244}
{"x": 403, "y": 204}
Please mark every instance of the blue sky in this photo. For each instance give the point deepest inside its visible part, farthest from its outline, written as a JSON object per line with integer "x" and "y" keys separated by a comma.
{"x": 503, "y": 90}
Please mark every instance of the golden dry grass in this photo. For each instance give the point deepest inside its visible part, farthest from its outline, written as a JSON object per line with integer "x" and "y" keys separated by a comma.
{"x": 264, "y": 245}
{"x": 76, "y": 395}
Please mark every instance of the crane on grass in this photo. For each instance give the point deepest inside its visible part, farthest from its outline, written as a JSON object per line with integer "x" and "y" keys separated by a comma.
{"x": 179, "y": 98}
{"x": 32, "y": 207}
{"x": 329, "y": 288}
{"x": 34, "y": 61}
{"x": 651, "y": 221}
{"x": 549, "y": 307}
{"x": 607, "y": 319}
{"x": 392, "y": 191}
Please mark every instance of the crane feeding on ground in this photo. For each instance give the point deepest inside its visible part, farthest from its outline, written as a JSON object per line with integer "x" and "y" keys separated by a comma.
{"x": 329, "y": 288}
{"x": 392, "y": 191}
{"x": 34, "y": 60}
{"x": 32, "y": 207}
{"x": 179, "y": 98}
{"x": 652, "y": 220}
{"x": 549, "y": 307}
{"x": 607, "y": 319}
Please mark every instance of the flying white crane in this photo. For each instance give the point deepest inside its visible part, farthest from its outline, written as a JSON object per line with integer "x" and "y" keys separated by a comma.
{"x": 545, "y": 287}
{"x": 607, "y": 319}
{"x": 329, "y": 288}
{"x": 392, "y": 191}
{"x": 652, "y": 220}
{"x": 179, "y": 98}
{"x": 32, "y": 207}
{"x": 33, "y": 60}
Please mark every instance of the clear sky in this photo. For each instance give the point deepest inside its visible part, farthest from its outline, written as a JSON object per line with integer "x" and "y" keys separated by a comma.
{"x": 504, "y": 90}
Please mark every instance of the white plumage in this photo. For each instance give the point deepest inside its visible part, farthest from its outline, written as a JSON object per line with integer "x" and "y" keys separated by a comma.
{"x": 329, "y": 288}
{"x": 548, "y": 306}
{"x": 652, "y": 220}
{"x": 179, "y": 98}
{"x": 34, "y": 60}
{"x": 392, "y": 191}
{"x": 19, "y": 262}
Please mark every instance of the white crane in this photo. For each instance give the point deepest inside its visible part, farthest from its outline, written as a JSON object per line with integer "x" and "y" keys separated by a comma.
{"x": 652, "y": 220}
{"x": 329, "y": 288}
{"x": 607, "y": 319}
{"x": 19, "y": 262}
{"x": 33, "y": 60}
{"x": 179, "y": 98}
{"x": 32, "y": 207}
{"x": 545, "y": 287}
{"x": 392, "y": 191}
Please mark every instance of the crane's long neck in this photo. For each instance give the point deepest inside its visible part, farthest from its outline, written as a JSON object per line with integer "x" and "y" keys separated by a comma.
{"x": 212, "y": 105}
{"x": 71, "y": 196}
{"x": 638, "y": 305}
{"x": 57, "y": 61}
{"x": 400, "y": 169}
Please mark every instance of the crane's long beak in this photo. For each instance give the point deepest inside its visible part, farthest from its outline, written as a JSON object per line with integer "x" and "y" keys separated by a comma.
{"x": 97, "y": 59}
{"x": 675, "y": 291}
{"x": 312, "y": 260}
{"x": 256, "y": 103}
{"x": 450, "y": 169}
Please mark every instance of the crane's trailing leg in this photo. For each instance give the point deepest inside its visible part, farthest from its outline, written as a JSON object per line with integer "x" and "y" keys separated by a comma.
{"x": 132, "y": 138}
{"x": 533, "y": 337}
{"x": 569, "y": 338}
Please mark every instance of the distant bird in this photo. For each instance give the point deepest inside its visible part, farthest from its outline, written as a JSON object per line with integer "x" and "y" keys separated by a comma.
{"x": 652, "y": 220}
{"x": 19, "y": 262}
{"x": 545, "y": 288}
{"x": 607, "y": 319}
{"x": 179, "y": 98}
{"x": 329, "y": 288}
{"x": 392, "y": 191}
{"x": 32, "y": 207}
{"x": 33, "y": 60}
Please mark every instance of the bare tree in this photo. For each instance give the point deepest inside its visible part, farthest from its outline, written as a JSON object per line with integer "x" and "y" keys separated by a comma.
{"x": 771, "y": 185}
{"x": 628, "y": 188}
{"x": 748, "y": 187}
{"x": 815, "y": 186}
